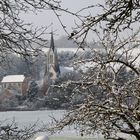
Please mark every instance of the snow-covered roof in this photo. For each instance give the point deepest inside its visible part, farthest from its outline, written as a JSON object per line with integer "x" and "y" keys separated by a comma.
{"x": 13, "y": 79}
{"x": 65, "y": 70}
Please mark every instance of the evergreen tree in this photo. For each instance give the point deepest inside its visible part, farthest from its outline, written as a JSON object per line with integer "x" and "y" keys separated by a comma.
{"x": 33, "y": 91}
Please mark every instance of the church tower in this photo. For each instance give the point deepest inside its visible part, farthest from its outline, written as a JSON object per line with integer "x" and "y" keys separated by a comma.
{"x": 52, "y": 71}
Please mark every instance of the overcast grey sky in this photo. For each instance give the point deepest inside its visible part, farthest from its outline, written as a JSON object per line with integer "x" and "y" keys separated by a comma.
{"x": 47, "y": 17}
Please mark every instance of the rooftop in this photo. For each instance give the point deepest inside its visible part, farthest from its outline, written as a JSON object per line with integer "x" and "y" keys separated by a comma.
{"x": 13, "y": 78}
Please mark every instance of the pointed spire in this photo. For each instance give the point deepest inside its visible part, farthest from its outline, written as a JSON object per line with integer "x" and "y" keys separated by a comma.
{"x": 52, "y": 42}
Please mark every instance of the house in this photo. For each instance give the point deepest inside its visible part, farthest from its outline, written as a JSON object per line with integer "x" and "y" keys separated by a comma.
{"x": 14, "y": 83}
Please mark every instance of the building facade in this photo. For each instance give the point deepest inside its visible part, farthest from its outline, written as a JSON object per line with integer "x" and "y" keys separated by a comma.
{"x": 14, "y": 83}
{"x": 52, "y": 70}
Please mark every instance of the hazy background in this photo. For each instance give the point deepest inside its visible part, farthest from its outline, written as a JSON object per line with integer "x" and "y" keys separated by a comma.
{"x": 46, "y": 18}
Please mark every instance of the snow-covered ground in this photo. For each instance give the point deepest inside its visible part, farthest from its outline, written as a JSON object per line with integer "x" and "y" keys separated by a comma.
{"x": 26, "y": 118}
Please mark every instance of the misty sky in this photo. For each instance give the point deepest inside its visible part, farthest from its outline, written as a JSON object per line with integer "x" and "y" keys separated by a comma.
{"x": 47, "y": 17}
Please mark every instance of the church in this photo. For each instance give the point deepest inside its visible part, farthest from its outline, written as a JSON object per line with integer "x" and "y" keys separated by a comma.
{"x": 52, "y": 70}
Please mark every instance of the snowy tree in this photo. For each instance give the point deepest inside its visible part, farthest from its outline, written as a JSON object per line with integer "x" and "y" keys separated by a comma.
{"x": 118, "y": 109}
{"x": 12, "y": 131}
{"x": 58, "y": 96}
{"x": 112, "y": 104}
{"x": 16, "y": 36}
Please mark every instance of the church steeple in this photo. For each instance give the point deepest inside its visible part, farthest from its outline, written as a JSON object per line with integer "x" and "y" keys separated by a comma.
{"x": 52, "y": 69}
{"x": 52, "y": 42}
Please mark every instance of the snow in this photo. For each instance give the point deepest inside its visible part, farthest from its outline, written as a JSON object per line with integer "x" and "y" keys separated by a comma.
{"x": 44, "y": 137}
{"x": 133, "y": 53}
{"x": 85, "y": 66}
{"x": 60, "y": 50}
{"x": 13, "y": 78}
{"x": 27, "y": 118}
{"x": 65, "y": 70}
{"x": 116, "y": 66}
